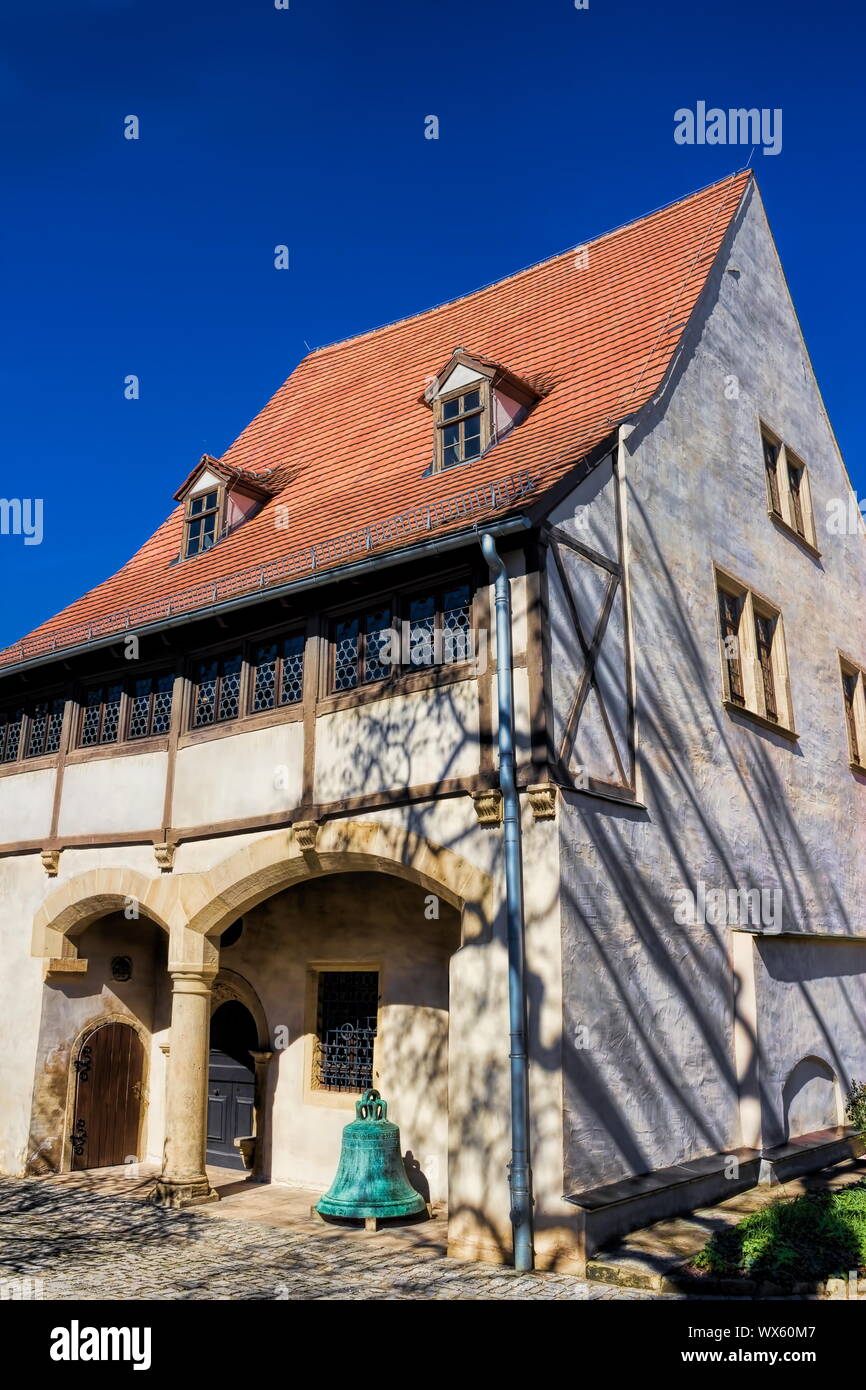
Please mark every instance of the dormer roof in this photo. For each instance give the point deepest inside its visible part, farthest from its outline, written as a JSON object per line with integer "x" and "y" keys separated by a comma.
{"x": 463, "y": 367}
{"x": 213, "y": 472}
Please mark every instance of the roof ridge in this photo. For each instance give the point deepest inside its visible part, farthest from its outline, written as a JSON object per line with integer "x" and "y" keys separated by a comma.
{"x": 516, "y": 274}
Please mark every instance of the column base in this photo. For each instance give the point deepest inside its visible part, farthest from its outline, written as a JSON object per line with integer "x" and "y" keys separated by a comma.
{"x": 183, "y": 1192}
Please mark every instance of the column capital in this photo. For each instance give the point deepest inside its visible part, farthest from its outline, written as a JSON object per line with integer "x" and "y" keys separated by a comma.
{"x": 192, "y": 979}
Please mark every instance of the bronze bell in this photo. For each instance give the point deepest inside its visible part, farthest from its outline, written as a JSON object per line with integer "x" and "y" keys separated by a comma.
{"x": 371, "y": 1180}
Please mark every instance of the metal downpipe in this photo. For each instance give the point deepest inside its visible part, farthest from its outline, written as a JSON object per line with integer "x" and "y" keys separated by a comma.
{"x": 520, "y": 1174}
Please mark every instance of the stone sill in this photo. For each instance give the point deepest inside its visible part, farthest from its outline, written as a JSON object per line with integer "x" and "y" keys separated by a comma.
{"x": 794, "y": 534}
{"x": 763, "y": 723}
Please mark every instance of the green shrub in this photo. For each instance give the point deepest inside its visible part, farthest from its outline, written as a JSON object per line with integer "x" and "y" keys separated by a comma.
{"x": 821, "y": 1235}
{"x": 855, "y": 1104}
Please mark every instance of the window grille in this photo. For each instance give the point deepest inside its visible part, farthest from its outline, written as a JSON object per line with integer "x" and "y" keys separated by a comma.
{"x": 348, "y": 1002}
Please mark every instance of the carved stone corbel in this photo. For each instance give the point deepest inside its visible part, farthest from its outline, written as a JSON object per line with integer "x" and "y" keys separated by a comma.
{"x": 542, "y": 799}
{"x": 51, "y": 862}
{"x": 164, "y": 852}
{"x": 306, "y": 833}
{"x": 488, "y": 806}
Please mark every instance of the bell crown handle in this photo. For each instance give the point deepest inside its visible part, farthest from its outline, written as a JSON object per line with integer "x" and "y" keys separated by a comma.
{"x": 371, "y": 1106}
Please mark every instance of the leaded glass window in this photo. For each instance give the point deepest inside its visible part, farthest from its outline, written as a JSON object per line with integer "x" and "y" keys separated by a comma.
{"x": 150, "y": 706}
{"x": 439, "y": 626}
{"x": 11, "y": 726}
{"x": 217, "y": 690}
{"x": 346, "y": 647}
{"x": 45, "y": 724}
{"x": 278, "y": 672}
{"x": 100, "y": 722}
{"x": 457, "y": 623}
{"x": 348, "y": 1004}
{"x": 362, "y": 649}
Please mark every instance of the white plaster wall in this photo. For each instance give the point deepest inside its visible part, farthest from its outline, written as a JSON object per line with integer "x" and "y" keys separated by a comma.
{"x": 404, "y": 741}
{"x": 652, "y": 1080}
{"x": 26, "y": 801}
{"x": 111, "y": 794}
{"x": 22, "y": 887}
{"x": 246, "y": 774}
{"x": 811, "y": 1002}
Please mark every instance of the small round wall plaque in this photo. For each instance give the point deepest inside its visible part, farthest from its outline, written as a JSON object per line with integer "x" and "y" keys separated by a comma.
{"x": 121, "y": 968}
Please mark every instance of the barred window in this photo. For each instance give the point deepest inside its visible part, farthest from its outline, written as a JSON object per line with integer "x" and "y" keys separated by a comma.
{"x": 362, "y": 649}
{"x": 348, "y": 1003}
{"x": 11, "y": 728}
{"x": 100, "y": 721}
{"x": 278, "y": 672}
{"x": 217, "y": 690}
{"x": 45, "y": 723}
{"x": 150, "y": 706}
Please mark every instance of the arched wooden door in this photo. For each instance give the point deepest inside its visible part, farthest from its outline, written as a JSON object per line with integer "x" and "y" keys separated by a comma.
{"x": 109, "y": 1071}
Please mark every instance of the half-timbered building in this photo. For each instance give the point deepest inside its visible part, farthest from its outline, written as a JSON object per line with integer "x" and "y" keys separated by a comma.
{"x": 251, "y": 841}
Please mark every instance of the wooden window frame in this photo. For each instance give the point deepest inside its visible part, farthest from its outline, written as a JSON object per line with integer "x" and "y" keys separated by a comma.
{"x": 855, "y": 722}
{"x": 23, "y": 755}
{"x": 217, "y": 511}
{"x": 27, "y": 755}
{"x": 482, "y": 386}
{"x": 274, "y": 639}
{"x": 152, "y": 677}
{"x": 11, "y": 708}
{"x": 758, "y": 701}
{"x": 124, "y": 738}
{"x": 101, "y": 685}
{"x": 218, "y": 655}
{"x": 397, "y": 600}
{"x": 794, "y": 513}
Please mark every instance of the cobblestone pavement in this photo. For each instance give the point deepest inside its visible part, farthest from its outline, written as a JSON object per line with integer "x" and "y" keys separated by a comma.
{"x": 86, "y": 1246}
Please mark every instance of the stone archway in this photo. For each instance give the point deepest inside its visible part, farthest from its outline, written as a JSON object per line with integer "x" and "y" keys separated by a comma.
{"x": 196, "y": 908}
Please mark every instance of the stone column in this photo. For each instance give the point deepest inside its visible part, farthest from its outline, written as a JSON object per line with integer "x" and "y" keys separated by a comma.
{"x": 261, "y": 1060}
{"x": 183, "y": 1181}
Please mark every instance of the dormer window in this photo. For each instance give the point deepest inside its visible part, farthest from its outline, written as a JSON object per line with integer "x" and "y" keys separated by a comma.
{"x": 202, "y": 522}
{"x": 475, "y": 403}
{"x": 461, "y": 426}
{"x": 216, "y": 501}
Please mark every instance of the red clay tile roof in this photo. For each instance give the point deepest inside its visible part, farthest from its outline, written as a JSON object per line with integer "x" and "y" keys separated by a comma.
{"x": 349, "y": 439}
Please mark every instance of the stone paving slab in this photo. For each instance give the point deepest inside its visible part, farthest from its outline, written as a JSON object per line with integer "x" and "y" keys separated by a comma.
{"x": 85, "y": 1245}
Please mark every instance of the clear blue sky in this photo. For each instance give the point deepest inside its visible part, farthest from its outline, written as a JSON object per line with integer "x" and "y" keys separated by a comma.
{"x": 306, "y": 127}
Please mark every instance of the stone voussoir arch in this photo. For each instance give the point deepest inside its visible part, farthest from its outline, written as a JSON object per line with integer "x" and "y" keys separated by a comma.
{"x": 204, "y": 904}
{"x": 82, "y": 900}
{"x": 276, "y": 862}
